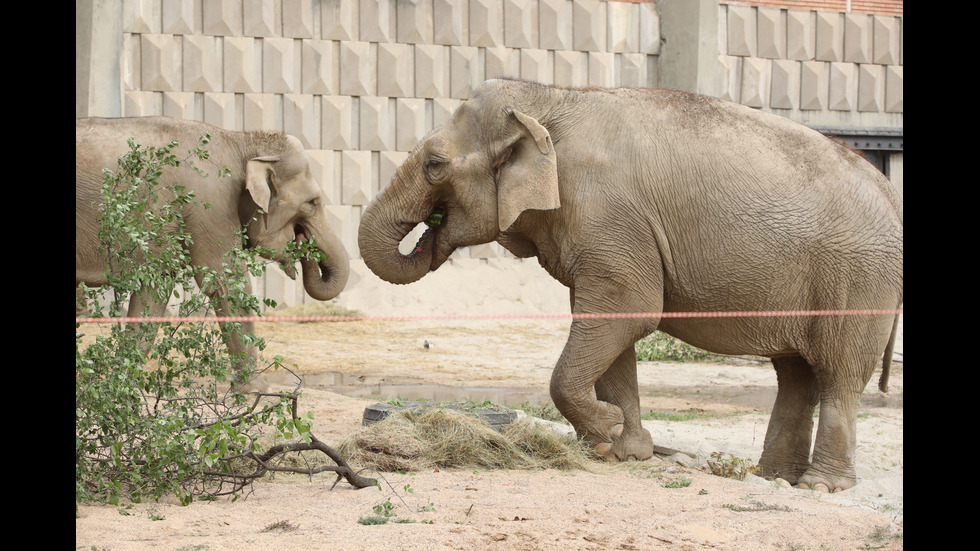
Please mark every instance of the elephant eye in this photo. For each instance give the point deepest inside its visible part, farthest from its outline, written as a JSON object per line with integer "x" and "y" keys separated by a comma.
{"x": 436, "y": 169}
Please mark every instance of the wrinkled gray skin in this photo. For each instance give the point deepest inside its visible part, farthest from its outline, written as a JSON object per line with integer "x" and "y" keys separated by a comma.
{"x": 270, "y": 170}
{"x": 665, "y": 201}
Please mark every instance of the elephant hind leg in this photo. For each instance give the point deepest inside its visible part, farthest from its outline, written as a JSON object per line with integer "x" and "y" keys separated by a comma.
{"x": 786, "y": 452}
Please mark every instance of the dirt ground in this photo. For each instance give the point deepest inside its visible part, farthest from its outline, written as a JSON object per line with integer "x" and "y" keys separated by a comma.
{"x": 625, "y": 506}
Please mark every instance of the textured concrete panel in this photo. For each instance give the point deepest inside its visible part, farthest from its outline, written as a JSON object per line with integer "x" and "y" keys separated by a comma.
{"x": 409, "y": 123}
{"x": 358, "y": 69}
{"x": 486, "y": 23}
{"x": 602, "y": 69}
{"x": 843, "y": 87}
{"x": 730, "y": 77}
{"x": 536, "y": 65}
{"x": 376, "y": 123}
{"x": 338, "y": 20}
{"x": 182, "y": 105}
{"x": 431, "y": 71}
{"x": 300, "y": 117}
{"x": 871, "y": 88}
{"x": 376, "y": 20}
{"x": 180, "y": 17}
{"x": 337, "y": 123}
{"x": 465, "y": 70}
{"x": 137, "y": 103}
{"x": 785, "y": 88}
{"x": 502, "y": 62}
{"x": 623, "y": 27}
{"x": 141, "y": 16}
{"x": 261, "y": 18}
{"x": 320, "y": 70}
{"x": 520, "y": 23}
{"x": 342, "y": 221}
{"x": 555, "y": 25}
{"x": 742, "y": 30}
{"x": 160, "y": 62}
{"x": 280, "y": 65}
{"x": 887, "y": 39}
{"x": 325, "y": 166}
{"x": 356, "y": 177}
{"x": 202, "y": 57}
{"x": 632, "y": 70}
{"x": 414, "y": 22}
{"x": 448, "y": 16}
{"x": 858, "y": 37}
{"x": 589, "y": 25}
{"x": 396, "y": 70}
{"x": 222, "y": 17}
{"x": 222, "y": 109}
{"x": 261, "y": 112}
{"x": 649, "y": 29}
{"x": 297, "y": 18}
{"x": 894, "y": 89}
{"x": 801, "y": 33}
{"x": 814, "y": 78}
{"x": 442, "y": 111}
{"x": 242, "y": 65}
{"x": 571, "y": 69}
{"x": 772, "y": 33}
{"x": 829, "y": 36}
{"x": 756, "y": 81}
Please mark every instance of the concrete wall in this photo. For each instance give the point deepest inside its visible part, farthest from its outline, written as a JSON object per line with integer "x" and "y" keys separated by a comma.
{"x": 361, "y": 81}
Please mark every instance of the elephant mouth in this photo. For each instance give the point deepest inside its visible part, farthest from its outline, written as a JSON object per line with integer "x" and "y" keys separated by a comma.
{"x": 301, "y": 237}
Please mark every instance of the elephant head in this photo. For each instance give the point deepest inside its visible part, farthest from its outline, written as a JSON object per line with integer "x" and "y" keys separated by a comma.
{"x": 284, "y": 188}
{"x": 469, "y": 180}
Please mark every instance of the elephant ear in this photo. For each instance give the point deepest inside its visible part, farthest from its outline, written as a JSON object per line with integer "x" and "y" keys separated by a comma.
{"x": 258, "y": 180}
{"x": 527, "y": 172}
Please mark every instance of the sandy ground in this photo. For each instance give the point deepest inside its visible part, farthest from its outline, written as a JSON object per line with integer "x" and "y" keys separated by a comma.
{"x": 351, "y": 365}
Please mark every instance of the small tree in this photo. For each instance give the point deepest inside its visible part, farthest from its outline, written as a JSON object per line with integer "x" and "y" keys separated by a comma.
{"x": 156, "y": 406}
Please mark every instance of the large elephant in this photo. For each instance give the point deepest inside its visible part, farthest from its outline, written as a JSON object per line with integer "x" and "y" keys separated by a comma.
{"x": 654, "y": 200}
{"x": 269, "y": 170}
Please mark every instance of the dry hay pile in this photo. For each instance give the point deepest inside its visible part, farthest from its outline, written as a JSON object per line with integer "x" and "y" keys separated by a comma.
{"x": 428, "y": 438}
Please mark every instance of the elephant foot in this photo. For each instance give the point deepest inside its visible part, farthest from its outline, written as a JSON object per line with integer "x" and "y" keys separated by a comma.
{"x": 634, "y": 446}
{"x": 823, "y": 483}
{"x": 788, "y": 471}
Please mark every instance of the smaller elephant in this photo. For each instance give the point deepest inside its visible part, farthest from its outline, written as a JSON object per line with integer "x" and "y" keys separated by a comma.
{"x": 271, "y": 194}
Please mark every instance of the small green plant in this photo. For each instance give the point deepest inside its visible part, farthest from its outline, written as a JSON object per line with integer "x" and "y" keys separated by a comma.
{"x": 682, "y": 483}
{"x": 683, "y": 415}
{"x": 661, "y": 347}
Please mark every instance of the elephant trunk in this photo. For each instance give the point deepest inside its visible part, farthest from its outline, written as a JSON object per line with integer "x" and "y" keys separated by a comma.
{"x": 383, "y": 227}
{"x": 325, "y": 280}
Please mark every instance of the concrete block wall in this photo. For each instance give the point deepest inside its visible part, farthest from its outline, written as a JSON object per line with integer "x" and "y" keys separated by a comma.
{"x": 361, "y": 81}
{"x": 818, "y": 66}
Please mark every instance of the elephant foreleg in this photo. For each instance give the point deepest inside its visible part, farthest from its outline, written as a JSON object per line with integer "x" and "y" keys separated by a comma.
{"x": 618, "y": 386}
{"x": 594, "y": 348}
{"x": 786, "y": 452}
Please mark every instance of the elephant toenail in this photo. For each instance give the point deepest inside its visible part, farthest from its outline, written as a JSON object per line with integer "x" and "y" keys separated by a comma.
{"x": 603, "y": 448}
{"x": 617, "y": 430}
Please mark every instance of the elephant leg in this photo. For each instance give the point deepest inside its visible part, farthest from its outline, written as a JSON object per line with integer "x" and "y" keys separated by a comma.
{"x": 141, "y": 305}
{"x": 243, "y": 355}
{"x": 786, "y": 452}
{"x": 618, "y": 386}
{"x": 593, "y": 347}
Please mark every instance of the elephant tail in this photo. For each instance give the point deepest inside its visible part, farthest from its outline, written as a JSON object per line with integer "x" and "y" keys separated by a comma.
{"x": 886, "y": 361}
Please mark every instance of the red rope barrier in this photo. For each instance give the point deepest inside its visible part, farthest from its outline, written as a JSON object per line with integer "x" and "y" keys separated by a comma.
{"x": 625, "y": 315}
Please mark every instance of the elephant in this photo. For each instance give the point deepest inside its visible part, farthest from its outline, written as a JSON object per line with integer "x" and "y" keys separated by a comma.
{"x": 271, "y": 193}
{"x": 652, "y": 201}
